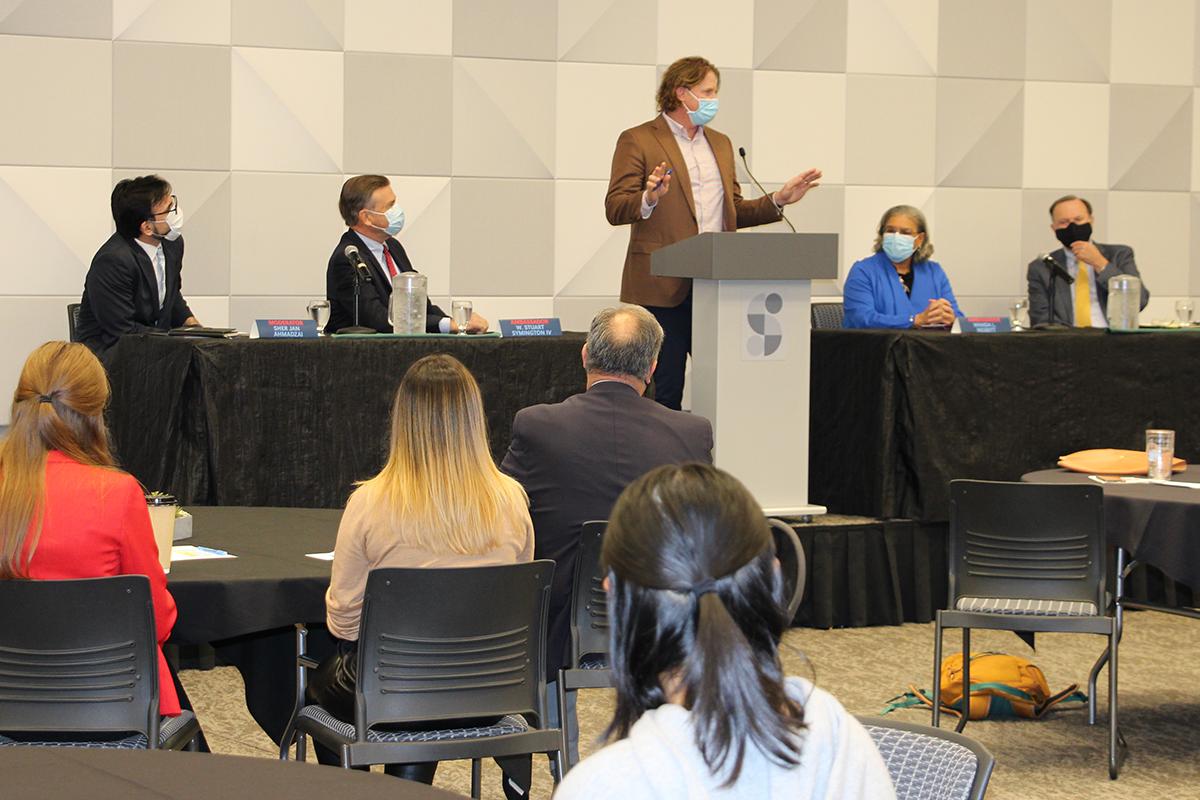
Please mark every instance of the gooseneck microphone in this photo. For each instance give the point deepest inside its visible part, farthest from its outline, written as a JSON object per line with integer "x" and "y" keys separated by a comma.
{"x": 356, "y": 261}
{"x": 742, "y": 153}
{"x": 1057, "y": 270}
{"x": 361, "y": 275}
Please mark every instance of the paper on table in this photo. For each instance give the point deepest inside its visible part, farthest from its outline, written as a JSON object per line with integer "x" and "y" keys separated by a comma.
{"x": 1131, "y": 479}
{"x": 191, "y": 552}
{"x": 321, "y": 556}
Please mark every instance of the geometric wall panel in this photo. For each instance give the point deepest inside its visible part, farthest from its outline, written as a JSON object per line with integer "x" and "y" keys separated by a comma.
{"x": 1150, "y": 137}
{"x": 180, "y": 21}
{"x": 310, "y": 24}
{"x": 1162, "y": 260}
{"x": 501, "y": 130}
{"x": 487, "y": 29}
{"x": 720, "y": 30}
{"x": 784, "y": 35}
{"x": 1165, "y": 28}
{"x": 595, "y": 103}
{"x": 73, "y": 19}
{"x": 502, "y": 237}
{"x": 878, "y": 151}
{"x": 893, "y": 37}
{"x": 287, "y": 110}
{"x": 57, "y": 99}
{"x": 1053, "y": 159}
{"x": 427, "y": 205}
{"x": 799, "y": 122}
{"x": 607, "y": 31}
{"x": 980, "y": 132}
{"x": 981, "y": 39}
{"x": 1193, "y": 284}
{"x": 53, "y": 220}
{"x": 964, "y": 218}
{"x": 185, "y": 89}
{"x": 405, "y": 129}
{"x": 1068, "y": 40}
{"x": 589, "y": 254}
{"x": 400, "y": 26}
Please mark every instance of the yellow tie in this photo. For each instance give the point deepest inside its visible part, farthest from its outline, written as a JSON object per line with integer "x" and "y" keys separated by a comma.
{"x": 1083, "y": 296}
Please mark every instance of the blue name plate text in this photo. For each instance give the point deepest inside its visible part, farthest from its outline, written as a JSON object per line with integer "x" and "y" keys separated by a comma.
{"x": 284, "y": 329}
{"x": 985, "y": 324}
{"x": 547, "y": 326}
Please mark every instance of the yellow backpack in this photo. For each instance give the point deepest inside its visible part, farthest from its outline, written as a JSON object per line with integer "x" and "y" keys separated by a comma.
{"x": 1001, "y": 686}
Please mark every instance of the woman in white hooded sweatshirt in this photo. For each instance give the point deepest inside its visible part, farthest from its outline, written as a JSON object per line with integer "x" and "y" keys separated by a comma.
{"x": 696, "y": 613}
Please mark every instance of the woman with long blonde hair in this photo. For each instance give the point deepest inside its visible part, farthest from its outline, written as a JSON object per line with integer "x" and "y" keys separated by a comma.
{"x": 66, "y": 511}
{"x": 439, "y": 501}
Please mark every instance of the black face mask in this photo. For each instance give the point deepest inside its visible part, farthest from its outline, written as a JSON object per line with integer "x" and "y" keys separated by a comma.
{"x": 1074, "y": 233}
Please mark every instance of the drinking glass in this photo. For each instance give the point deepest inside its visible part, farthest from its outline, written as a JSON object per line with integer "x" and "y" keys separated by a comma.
{"x": 1160, "y": 454}
{"x": 1020, "y": 313}
{"x": 462, "y": 314}
{"x": 319, "y": 309}
{"x": 1183, "y": 310}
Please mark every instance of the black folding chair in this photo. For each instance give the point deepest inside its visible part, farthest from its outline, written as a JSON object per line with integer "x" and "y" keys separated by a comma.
{"x": 72, "y": 320}
{"x": 1029, "y": 557}
{"x": 79, "y": 666}
{"x": 443, "y": 645}
{"x": 827, "y": 316}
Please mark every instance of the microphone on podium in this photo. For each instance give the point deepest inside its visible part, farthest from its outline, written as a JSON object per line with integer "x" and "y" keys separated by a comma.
{"x": 1057, "y": 270}
{"x": 742, "y": 153}
{"x": 356, "y": 261}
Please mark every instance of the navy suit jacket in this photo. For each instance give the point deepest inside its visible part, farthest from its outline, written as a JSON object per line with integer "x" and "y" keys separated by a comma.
{"x": 374, "y": 298}
{"x": 574, "y": 459}
{"x": 120, "y": 294}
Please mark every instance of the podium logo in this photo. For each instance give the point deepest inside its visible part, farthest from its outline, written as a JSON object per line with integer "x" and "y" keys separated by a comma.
{"x": 763, "y": 330}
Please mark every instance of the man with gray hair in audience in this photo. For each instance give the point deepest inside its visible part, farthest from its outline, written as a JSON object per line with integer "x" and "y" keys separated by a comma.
{"x": 574, "y": 458}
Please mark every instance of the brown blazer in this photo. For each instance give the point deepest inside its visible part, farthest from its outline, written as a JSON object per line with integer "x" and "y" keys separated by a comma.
{"x": 639, "y": 151}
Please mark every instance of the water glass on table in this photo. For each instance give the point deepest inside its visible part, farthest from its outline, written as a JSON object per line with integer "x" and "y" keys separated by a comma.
{"x": 1020, "y": 313}
{"x": 1160, "y": 454}
{"x": 319, "y": 310}
{"x": 461, "y": 310}
{"x": 1184, "y": 310}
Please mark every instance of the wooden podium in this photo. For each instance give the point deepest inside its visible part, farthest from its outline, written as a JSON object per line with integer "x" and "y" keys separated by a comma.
{"x": 750, "y": 352}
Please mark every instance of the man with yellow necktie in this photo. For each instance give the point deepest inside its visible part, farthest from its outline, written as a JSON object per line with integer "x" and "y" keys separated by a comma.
{"x": 1085, "y": 303}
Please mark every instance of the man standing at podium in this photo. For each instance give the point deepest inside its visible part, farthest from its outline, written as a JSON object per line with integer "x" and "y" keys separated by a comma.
{"x": 678, "y": 147}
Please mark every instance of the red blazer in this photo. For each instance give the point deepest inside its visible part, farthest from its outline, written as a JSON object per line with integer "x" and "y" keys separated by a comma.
{"x": 97, "y": 524}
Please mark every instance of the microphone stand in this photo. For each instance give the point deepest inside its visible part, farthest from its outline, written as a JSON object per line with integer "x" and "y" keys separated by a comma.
{"x": 1056, "y": 272}
{"x": 359, "y": 279}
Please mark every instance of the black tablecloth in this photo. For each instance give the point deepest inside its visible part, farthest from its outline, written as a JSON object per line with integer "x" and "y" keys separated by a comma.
{"x": 73, "y": 773}
{"x": 1157, "y": 525}
{"x": 896, "y": 415}
{"x": 296, "y": 422}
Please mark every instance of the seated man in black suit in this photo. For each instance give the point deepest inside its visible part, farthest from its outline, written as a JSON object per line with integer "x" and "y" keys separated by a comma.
{"x": 368, "y": 207}
{"x": 133, "y": 284}
{"x": 574, "y": 458}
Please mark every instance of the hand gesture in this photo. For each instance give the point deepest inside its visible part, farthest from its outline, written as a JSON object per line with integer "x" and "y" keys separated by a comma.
{"x": 658, "y": 183}
{"x": 939, "y": 312}
{"x": 1089, "y": 254}
{"x": 797, "y": 187}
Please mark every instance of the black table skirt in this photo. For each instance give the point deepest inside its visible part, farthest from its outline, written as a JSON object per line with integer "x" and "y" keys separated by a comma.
{"x": 896, "y": 415}
{"x": 296, "y": 423}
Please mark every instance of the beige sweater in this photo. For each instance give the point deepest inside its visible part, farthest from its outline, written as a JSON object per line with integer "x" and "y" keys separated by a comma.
{"x": 367, "y": 539}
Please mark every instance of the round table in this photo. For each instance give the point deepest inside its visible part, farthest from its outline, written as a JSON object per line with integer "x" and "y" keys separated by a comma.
{"x": 1156, "y": 524}
{"x": 70, "y": 773}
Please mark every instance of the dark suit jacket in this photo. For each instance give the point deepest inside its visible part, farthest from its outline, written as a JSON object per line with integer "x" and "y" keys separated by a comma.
{"x": 1120, "y": 262}
{"x": 120, "y": 294}
{"x": 639, "y": 151}
{"x": 575, "y": 457}
{"x": 373, "y": 303}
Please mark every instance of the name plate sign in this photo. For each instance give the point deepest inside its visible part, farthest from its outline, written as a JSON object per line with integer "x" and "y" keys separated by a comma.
{"x": 985, "y": 324}
{"x": 284, "y": 329}
{"x": 547, "y": 326}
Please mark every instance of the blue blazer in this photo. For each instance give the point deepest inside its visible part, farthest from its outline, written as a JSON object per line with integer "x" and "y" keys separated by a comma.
{"x": 874, "y": 297}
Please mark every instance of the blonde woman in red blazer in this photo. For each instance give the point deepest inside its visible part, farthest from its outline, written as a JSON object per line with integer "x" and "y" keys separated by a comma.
{"x": 66, "y": 511}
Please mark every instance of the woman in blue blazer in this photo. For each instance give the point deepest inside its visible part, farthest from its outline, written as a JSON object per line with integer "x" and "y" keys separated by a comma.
{"x": 899, "y": 287}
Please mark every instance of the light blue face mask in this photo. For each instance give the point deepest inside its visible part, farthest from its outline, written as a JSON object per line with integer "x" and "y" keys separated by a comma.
{"x": 898, "y": 246}
{"x": 395, "y": 218}
{"x": 705, "y": 113}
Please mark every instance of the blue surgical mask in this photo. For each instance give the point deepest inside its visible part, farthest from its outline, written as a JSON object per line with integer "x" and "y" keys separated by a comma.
{"x": 705, "y": 113}
{"x": 898, "y": 246}
{"x": 395, "y": 218}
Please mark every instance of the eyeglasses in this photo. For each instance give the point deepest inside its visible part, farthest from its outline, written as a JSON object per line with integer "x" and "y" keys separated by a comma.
{"x": 173, "y": 209}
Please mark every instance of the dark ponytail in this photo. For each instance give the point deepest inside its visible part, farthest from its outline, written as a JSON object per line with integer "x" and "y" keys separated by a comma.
{"x": 696, "y": 601}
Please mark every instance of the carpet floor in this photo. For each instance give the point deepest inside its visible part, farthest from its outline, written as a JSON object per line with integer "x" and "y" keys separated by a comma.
{"x": 1059, "y": 757}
